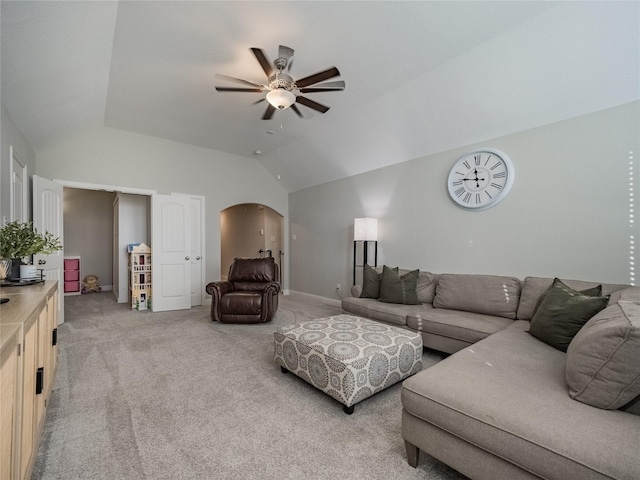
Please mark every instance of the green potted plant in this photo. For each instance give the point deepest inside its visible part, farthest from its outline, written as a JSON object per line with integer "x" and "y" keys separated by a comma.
{"x": 20, "y": 239}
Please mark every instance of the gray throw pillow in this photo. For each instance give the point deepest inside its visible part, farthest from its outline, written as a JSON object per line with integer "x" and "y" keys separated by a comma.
{"x": 590, "y": 292}
{"x": 395, "y": 288}
{"x": 562, "y": 313}
{"x": 370, "y": 282}
{"x": 602, "y": 360}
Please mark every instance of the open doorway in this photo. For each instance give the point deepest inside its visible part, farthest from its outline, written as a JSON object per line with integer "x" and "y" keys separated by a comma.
{"x": 250, "y": 230}
{"x": 98, "y": 225}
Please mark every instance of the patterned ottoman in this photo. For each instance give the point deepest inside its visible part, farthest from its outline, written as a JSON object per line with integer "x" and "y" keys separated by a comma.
{"x": 348, "y": 357}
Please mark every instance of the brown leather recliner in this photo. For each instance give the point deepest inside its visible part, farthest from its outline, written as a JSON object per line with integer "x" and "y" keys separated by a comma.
{"x": 250, "y": 294}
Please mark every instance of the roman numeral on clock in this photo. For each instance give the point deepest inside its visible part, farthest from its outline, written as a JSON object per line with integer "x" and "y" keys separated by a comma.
{"x": 500, "y": 175}
{"x": 495, "y": 185}
{"x": 467, "y": 197}
{"x": 459, "y": 192}
{"x": 477, "y": 159}
{"x": 467, "y": 164}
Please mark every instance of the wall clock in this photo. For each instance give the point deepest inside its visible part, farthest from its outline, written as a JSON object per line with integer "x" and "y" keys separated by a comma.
{"x": 480, "y": 179}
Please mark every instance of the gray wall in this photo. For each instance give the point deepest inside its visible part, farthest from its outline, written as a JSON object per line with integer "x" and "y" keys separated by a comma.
{"x": 88, "y": 231}
{"x": 567, "y": 215}
{"x": 107, "y": 156}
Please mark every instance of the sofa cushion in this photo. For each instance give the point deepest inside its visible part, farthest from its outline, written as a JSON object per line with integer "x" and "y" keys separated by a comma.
{"x": 534, "y": 287}
{"x": 488, "y": 294}
{"x": 562, "y": 313}
{"x": 466, "y": 326}
{"x": 385, "y": 312}
{"x": 396, "y": 288}
{"x": 507, "y": 395}
{"x": 603, "y": 360}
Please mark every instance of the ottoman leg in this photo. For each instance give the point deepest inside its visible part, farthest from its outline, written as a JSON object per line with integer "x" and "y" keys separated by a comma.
{"x": 284, "y": 370}
{"x": 348, "y": 410}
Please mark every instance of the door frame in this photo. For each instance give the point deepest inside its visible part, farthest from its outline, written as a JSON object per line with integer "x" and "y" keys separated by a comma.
{"x": 106, "y": 188}
{"x": 15, "y": 157}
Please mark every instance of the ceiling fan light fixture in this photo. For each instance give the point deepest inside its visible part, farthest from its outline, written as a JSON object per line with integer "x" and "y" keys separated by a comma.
{"x": 281, "y": 98}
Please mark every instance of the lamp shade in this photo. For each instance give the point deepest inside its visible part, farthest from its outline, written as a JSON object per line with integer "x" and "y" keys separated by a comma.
{"x": 281, "y": 98}
{"x": 365, "y": 229}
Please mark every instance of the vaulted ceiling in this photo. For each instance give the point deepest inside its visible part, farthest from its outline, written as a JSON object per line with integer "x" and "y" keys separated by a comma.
{"x": 421, "y": 77}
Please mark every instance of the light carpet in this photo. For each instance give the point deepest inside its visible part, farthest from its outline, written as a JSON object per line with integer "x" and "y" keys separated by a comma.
{"x": 172, "y": 395}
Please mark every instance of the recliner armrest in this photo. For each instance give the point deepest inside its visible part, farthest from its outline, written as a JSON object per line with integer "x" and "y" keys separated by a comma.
{"x": 272, "y": 288}
{"x": 219, "y": 288}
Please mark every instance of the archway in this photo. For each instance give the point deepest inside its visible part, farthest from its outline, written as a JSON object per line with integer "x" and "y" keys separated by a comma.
{"x": 250, "y": 230}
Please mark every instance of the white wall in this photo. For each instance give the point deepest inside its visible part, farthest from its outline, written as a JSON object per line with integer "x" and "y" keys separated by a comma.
{"x": 11, "y": 136}
{"x": 108, "y": 156}
{"x": 568, "y": 213}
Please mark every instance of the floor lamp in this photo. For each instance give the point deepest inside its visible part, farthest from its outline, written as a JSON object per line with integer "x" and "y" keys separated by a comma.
{"x": 365, "y": 230}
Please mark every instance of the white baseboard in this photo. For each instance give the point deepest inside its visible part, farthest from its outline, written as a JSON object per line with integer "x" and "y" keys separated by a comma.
{"x": 308, "y": 297}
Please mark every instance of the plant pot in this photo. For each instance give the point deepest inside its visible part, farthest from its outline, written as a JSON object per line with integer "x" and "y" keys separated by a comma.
{"x": 14, "y": 274}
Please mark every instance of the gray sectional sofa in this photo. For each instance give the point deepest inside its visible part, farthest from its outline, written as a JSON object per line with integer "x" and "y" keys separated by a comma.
{"x": 507, "y": 405}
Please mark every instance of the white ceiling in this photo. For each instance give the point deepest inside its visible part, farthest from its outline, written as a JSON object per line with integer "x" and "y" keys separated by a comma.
{"x": 421, "y": 77}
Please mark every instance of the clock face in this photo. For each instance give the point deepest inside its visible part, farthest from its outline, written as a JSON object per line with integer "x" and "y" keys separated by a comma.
{"x": 480, "y": 179}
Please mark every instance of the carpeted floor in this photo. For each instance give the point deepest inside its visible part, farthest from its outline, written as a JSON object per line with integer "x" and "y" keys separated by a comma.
{"x": 172, "y": 395}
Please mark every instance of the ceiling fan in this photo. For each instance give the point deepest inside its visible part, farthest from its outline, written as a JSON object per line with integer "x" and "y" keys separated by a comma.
{"x": 282, "y": 90}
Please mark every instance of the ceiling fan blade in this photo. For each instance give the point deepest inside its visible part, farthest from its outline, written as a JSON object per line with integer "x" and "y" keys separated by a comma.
{"x": 311, "y": 104}
{"x": 336, "y": 84}
{"x": 318, "y": 77}
{"x": 240, "y": 80}
{"x": 238, "y": 89}
{"x": 263, "y": 61}
{"x": 259, "y": 101}
{"x": 268, "y": 113}
{"x": 316, "y": 89}
{"x": 285, "y": 52}
{"x": 295, "y": 108}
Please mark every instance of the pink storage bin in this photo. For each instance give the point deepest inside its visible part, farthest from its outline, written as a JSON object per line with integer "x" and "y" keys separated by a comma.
{"x": 72, "y": 264}
{"x": 71, "y": 287}
{"x": 70, "y": 275}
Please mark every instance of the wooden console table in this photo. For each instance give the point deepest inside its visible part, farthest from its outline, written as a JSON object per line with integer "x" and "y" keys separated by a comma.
{"x": 28, "y": 361}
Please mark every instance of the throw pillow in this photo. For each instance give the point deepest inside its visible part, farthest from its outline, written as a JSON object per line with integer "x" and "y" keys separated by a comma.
{"x": 562, "y": 313}
{"x": 370, "y": 282}
{"x": 591, "y": 292}
{"x": 395, "y": 288}
{"x": 602, "y": 360}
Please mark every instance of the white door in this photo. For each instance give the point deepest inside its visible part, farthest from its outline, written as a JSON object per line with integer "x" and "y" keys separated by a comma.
{"x": 197, "y": 251}
{"x": 47, "y": 217}
{"x": 170, "y": 252}
{"x": 18, "y": 187}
